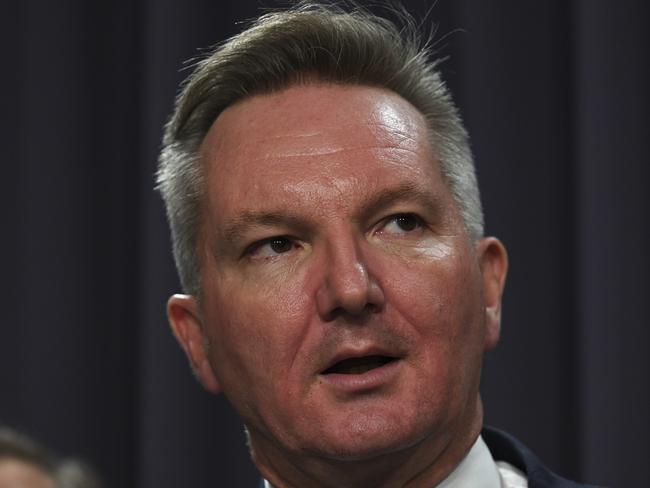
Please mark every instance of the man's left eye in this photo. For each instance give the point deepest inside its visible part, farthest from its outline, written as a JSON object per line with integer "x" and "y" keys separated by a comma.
{"x": 402, "y": 224}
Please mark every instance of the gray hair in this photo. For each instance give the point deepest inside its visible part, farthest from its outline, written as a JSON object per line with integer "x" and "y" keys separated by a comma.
{"x": 308, "y": 42}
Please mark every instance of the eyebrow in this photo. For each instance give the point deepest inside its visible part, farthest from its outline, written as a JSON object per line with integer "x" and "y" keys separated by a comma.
{"x": 236, "y": 228}
{"x": 406, "y": 192}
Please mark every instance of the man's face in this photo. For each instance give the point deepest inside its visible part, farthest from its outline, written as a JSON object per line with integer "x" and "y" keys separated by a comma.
{"x": 344, "y": 307}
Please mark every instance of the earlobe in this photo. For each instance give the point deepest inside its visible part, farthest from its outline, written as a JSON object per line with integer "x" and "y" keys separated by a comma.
{"x": 493, "y": 261}
{"x": 184, "y": 318}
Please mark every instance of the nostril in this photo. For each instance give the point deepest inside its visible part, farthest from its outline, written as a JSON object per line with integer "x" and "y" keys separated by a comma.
{"x": 336, "y": 313}
{"x": 372, "y": 308}
{"x": 368, "y": 309}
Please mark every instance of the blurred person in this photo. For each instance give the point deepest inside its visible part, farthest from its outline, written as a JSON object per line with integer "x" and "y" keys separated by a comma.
{"x": 26, "y": 464}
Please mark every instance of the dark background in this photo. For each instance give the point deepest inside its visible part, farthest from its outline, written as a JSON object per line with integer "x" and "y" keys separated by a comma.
{"x": 555, "y": 94}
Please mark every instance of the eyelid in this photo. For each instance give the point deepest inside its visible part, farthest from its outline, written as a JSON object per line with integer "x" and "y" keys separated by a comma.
{"x": 253, "y": 247}
{"x": 391, "y": 218}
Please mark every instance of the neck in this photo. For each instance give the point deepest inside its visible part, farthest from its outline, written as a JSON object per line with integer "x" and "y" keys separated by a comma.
{"x": 422, "y": 465}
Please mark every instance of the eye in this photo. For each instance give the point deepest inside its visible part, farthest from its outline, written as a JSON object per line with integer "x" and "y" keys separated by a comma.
{"x": 271, "y": 247}
{"x": 402, "y": 224}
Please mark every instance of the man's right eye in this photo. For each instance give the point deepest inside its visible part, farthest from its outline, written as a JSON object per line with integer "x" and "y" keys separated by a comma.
{"x": 271, "y": 247}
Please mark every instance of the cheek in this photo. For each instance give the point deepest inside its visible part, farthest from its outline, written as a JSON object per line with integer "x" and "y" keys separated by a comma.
{"x": 254, "y": 326}
{"x": 440, "y": 296}
{"x": 441, "y": 301}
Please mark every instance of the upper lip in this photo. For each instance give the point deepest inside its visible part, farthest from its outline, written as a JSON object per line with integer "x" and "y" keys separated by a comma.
{"x": 352, "y": 352}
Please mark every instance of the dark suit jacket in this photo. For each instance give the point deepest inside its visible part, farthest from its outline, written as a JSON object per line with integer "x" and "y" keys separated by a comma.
{"x": 505, "y": 447}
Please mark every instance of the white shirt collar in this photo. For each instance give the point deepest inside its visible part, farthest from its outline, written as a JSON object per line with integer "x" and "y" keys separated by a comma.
{"x": 477, "y": 469}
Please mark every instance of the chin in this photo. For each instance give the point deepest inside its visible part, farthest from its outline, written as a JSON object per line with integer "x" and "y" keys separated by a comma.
{"x": 368, "y": 437}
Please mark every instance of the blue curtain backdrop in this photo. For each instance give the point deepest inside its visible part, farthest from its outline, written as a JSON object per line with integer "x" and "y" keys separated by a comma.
{"x": 555, "y": 95}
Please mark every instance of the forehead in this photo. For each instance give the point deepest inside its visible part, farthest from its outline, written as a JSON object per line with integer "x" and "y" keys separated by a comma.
{"x": 14, "y": 473}
{"x": 302, "y": 110}
{"x": 310, "y": 137}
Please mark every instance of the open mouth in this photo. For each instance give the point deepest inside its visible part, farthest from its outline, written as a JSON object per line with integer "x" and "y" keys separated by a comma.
{"x": 358, "y": 365}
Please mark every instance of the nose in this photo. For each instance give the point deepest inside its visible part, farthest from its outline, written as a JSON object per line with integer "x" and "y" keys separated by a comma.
{"x": 347, "y": 287}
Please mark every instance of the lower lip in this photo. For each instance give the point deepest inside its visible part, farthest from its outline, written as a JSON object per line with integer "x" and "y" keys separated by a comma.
{"x": 371, "y": 379}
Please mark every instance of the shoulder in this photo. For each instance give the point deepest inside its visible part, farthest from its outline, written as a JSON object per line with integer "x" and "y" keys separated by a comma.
{"x": 505, "y": 447}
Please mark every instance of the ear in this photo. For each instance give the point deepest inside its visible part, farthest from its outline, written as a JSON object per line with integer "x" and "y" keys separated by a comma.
{"x": 184, "y": 318}
{"x": 493, "y": 261}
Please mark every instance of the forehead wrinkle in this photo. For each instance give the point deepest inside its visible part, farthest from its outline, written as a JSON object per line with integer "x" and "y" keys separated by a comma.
{"x": 386, "y": 129}
{"x": 404, "y": 140}
{"x": 391, "y": 129}
{"x": 288, "y": 153}
{"x": 378, "y": 134}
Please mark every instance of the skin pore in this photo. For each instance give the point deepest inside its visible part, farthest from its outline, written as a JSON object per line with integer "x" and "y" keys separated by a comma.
{"x": 344, "y": 309}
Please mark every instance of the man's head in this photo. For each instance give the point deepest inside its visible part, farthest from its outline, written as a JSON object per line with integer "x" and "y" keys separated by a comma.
{"x": 310, "y": 42}
{"x": 333, "y": 224}
{"x": 25, "y": 464}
